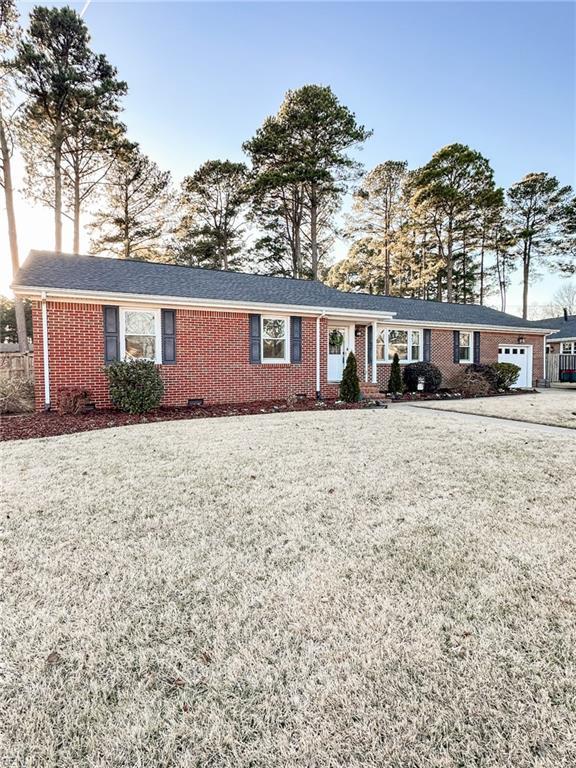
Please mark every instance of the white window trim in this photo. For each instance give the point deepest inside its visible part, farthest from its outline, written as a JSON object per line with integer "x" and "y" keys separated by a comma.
{"x": 571, "y": 344}
{"x": 157, "y": 329}
{"x": 386, "y": 330}
{"x": 286, "y": 358}
{"x": 470, "y": 359}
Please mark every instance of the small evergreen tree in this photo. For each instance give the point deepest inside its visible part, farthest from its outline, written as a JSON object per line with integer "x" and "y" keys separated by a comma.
{"x": 350, "y": 386}
{"x": 395, "y": 380}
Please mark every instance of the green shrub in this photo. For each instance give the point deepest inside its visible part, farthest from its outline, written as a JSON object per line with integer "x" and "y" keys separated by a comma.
{"x": 135, "y": 385}
{"x": 395, "y": 380}
{"x": 350, "y": 386}
{"x": 430, "y": 373}
{"x": 506, "y": 374}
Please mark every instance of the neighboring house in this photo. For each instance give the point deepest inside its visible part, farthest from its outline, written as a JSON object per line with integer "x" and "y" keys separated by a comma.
{"x": 561, "y": 348}
{"x": 228, "y": 337}
{"x": 563, "y": 341}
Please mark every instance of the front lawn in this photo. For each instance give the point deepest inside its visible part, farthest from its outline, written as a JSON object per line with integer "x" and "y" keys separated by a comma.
{"x": 356, "y": 588}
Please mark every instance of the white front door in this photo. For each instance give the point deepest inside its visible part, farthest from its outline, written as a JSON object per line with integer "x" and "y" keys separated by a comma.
{"x": 520, "y": 356}
{"x": 337, "y": 346}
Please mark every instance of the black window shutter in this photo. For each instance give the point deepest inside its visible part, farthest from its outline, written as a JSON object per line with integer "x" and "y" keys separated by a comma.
{"x": 370, "y": 342}
{"x": 427, "y": 349}
{"x": 456, "y": 346}
{"x": 295, "y": 339}
{"x": 254, "y": 338}
{"x": 111, "y": 333}
{"x": 477, "y": 347}
{"x": 169, "y": 336}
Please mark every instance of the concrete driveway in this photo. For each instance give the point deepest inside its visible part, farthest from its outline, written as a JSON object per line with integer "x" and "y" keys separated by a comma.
{"x": 555, "y": 407}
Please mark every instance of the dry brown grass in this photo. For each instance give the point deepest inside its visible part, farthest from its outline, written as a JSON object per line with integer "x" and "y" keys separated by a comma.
{"x": 368, "y": 588}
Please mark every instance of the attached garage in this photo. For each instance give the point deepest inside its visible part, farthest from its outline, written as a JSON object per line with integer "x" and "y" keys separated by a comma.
{"x": 520, "y": 356}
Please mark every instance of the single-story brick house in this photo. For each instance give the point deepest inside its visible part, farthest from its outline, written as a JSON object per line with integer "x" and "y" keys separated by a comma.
{"x": 228, "y": 337}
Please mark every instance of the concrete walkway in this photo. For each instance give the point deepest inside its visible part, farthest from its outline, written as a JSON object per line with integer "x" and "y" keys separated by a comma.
{"x": 492, "y": 421}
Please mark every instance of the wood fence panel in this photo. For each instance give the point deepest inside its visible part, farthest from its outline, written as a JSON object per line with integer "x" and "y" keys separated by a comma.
{"x": 16, "y": 364}
{"x": 553, "y": 366}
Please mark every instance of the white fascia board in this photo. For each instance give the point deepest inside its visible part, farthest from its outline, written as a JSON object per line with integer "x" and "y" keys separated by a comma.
{"x": 563, "y": 338}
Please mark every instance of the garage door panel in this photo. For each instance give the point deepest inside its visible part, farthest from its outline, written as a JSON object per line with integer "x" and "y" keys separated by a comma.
{"x": 520, "y": 356}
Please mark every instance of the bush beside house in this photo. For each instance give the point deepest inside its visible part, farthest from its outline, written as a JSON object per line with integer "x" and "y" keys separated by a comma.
{"x": 395, "y": 381}
{"x": 135, "y": 385}
{"x": 428, "y": 371}
{"x": 350, "y": 384}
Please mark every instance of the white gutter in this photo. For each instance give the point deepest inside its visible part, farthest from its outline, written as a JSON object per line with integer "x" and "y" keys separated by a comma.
{"x": 45, "y": 353}
{"x": 318, "y": 354}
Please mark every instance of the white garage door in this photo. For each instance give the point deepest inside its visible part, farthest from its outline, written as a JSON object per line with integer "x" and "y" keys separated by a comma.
{"x": 520, "y": 356}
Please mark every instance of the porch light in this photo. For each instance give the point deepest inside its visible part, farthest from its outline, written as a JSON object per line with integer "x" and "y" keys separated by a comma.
{"x": 358, "y": 333}
{"x": 520, "y": 339}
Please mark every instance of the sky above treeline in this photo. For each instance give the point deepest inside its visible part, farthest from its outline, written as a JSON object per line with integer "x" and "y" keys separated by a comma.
{"x": 499, "y": 77}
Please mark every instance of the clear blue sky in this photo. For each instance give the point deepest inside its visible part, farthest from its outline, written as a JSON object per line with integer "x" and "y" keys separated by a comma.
{"x": 497, "y": 76}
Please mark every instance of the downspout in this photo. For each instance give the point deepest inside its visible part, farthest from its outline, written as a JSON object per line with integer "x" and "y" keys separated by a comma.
{"x": 45, "y": 353}
{"x": 366, "y": 354}
{"x": 374, "y": 366}
{"x": 318, "y": 394}
{"x": 545, "y": 362}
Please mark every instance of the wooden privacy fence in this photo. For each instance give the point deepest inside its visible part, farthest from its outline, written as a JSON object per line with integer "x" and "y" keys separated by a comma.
{"x": 556, "y": 364}
{"x": 16, "y": 364}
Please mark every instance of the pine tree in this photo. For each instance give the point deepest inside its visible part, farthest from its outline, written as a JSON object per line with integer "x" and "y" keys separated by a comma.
{"x": 537, "y": 206}
{"x": 212, "y": 205}
{"x": 9, "y": 36}
{"x": 300, "y": 160}
{"x": 350, "y": 385}
{"x": 69, "y": 89}
{"x": 452, "y": 185}
{"x": 135, "y": 216}
{"x": 377, "y": 213}
{"x": 395, "y": 380}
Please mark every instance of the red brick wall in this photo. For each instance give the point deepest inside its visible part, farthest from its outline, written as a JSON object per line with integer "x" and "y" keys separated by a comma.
{"x": 442, "y": 353}
{"x": 211, "y": 352}
{"x": 212, "y": 357}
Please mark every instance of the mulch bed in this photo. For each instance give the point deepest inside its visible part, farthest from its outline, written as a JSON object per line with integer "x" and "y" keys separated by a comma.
{"x": 447, "y": 394}
{"x": 51, "y": 423}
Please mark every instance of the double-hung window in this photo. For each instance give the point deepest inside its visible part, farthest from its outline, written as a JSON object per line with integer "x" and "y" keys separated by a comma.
{"x": 465, "y": 352}
{"x": 275, "y": 340}
{"x": 568, "y": 347}
{"x": 140, "y": 335}
{"x": 405, "y": 342}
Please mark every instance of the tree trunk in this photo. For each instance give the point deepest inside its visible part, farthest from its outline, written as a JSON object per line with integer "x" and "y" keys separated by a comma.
{"x": 76, "y": 245}
{"x": 314, "y": 230}
{"x": 58, "y": 139}
{"x": 12, "y": 234}
{"x": 297, "y": 255}
{"x": 127, "y": 253}
{"x": 525, "y": 278}
{"x": 482, "y": 271}
{"x": 449, "y": 262}
{"x": 387, "y": 268}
